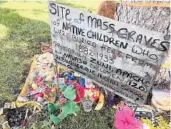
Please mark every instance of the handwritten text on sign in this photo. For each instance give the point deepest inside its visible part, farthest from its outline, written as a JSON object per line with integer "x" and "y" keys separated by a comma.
{"x": 119, "y": 56}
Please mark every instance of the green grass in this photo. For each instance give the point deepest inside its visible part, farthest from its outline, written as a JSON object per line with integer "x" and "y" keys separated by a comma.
{"x": 22, "y": 26}
{"x": 19, "y": 41}
{"x": 82, "y": 4}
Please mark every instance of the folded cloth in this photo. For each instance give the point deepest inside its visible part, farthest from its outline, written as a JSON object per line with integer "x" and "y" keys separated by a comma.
{"x": 39, "y": 80}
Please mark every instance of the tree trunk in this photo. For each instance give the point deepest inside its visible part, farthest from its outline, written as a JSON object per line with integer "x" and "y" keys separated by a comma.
{"x": 153, "y": 18}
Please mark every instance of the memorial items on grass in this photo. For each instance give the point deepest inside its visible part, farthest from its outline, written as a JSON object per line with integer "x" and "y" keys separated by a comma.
{"x": 41, "y": 89}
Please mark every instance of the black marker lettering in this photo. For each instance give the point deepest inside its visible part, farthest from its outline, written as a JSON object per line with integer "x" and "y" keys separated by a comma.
{"x": 153, "y": 56}
{"x": 147, "y": 41}
{"x": 66, "y": 15}
{"x": 99, "y": 24}
{"x": 122, "y": 33}
{"x": 89, "y": 34}
{"x": 130, "y": 34}
{"x": 112, "y": 28}
{"x": 145, "y": 52}
{"x": 136, "y": 50}
{"x": 106, "y": 39}
{"x": 123, "y": 45}
{"x": 164, "y": 45}
{"x": 105, "y": 25}
{"x": 81, "y": 17}
{"x": 119, "y": 70}
{"x": 154, "y": 42}
{"x": 92, "y": 60}
{"x": 62, "y": 8}
{"x": 53, "y": 6}
{"x": 139, "y": 38}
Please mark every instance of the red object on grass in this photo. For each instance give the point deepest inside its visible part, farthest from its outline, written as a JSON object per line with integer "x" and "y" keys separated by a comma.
{"x": 79, "y": 92}
{"x": 38, "y": 95}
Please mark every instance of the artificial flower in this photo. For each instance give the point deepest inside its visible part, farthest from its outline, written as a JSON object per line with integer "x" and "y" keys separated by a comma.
{"x": 125, "y": 119}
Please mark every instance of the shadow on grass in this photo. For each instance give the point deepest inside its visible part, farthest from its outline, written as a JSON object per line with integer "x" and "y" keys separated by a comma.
{"x": 17, "y": 49}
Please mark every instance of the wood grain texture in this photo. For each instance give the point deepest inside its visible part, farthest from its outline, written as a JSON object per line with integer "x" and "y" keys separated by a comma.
{"x": 152, "y": 18}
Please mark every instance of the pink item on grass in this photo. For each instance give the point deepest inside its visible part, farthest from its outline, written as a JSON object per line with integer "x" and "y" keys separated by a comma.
{"x": 58, "y": 75}
{"x": 38, "y": 95}
{"x": 43, "y": 85}
{"x": 124, "y": 119}
{"x": 38, "y": 79}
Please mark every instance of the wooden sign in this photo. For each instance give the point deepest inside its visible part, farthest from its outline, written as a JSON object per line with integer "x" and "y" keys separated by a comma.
{"x": 118, "y": 56}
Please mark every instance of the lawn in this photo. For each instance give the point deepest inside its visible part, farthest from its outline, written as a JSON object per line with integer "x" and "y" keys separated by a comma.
{"x": 22, "y": 26}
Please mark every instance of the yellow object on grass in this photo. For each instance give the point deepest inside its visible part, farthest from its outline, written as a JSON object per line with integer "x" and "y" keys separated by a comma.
{"x": 24, "y": 91}
{"x": 29, "y": 103}
{"x": 34, "y": 86}
{"x": 100, "y": 103}
{"x": 163, "y": 124}
{"x": 167, "y": 65}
